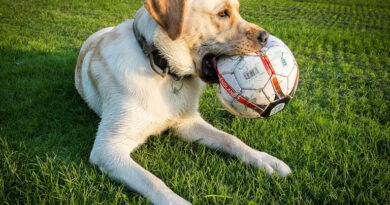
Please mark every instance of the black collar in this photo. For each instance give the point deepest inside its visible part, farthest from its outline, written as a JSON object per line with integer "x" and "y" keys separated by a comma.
{"x": 157, "y": 61}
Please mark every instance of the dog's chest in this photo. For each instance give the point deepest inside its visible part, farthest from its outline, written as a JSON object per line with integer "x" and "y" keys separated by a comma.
{"x": 177, "y": 98}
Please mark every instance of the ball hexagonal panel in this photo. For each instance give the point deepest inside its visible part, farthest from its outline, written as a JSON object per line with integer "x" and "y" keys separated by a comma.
{"x": 251, "y": 73}
{"x": 227, "y": 65}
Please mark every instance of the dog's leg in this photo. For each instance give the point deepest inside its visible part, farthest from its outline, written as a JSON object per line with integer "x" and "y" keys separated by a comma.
{"x": 111, "y": 153}
{"x": 196, "y": 129}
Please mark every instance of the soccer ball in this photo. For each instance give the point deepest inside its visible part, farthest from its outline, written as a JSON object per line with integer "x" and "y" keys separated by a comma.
{"x": 259, "y": 84}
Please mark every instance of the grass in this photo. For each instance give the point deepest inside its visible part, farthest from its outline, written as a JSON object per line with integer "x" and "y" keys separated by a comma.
{"x": 335, "y": 135}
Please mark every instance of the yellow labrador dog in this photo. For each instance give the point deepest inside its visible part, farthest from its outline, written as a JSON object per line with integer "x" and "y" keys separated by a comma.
{"x": 146, "y": 75}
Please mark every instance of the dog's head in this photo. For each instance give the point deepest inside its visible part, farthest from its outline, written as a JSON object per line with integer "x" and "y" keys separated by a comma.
{"x": 191, "y": 34}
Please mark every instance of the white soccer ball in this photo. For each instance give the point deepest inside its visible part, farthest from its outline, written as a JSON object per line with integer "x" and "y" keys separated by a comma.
{"x": 259, "y": 84}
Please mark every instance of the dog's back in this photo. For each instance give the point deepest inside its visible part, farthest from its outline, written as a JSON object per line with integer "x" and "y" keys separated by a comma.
{"x": 83, "y": 83}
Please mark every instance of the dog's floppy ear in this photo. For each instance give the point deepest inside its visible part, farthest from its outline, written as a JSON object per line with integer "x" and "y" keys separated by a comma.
{"x": 168, "y": 14}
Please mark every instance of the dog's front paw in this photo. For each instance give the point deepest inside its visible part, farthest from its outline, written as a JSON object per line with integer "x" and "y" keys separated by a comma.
{"x": 271, "y": 163}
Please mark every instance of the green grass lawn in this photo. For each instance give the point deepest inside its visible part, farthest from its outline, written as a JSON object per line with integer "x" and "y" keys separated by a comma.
{"x": 335, "y": 134}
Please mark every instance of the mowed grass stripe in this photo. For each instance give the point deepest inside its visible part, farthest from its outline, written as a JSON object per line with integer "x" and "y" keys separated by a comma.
{"x": 335, "y": 134}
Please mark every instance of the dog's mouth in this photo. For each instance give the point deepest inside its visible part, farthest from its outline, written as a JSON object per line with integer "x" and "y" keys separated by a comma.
{"x": 208, "y": 72}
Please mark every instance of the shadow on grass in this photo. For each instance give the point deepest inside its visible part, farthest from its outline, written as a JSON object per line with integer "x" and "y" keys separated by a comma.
{"x": 41, "y": 107}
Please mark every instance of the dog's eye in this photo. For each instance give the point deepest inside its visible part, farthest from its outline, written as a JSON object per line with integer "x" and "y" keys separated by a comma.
{"x": 224, "y": 13}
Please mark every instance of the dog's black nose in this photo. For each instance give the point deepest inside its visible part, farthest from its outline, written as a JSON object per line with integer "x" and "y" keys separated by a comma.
{"x": 263, "y": 37}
